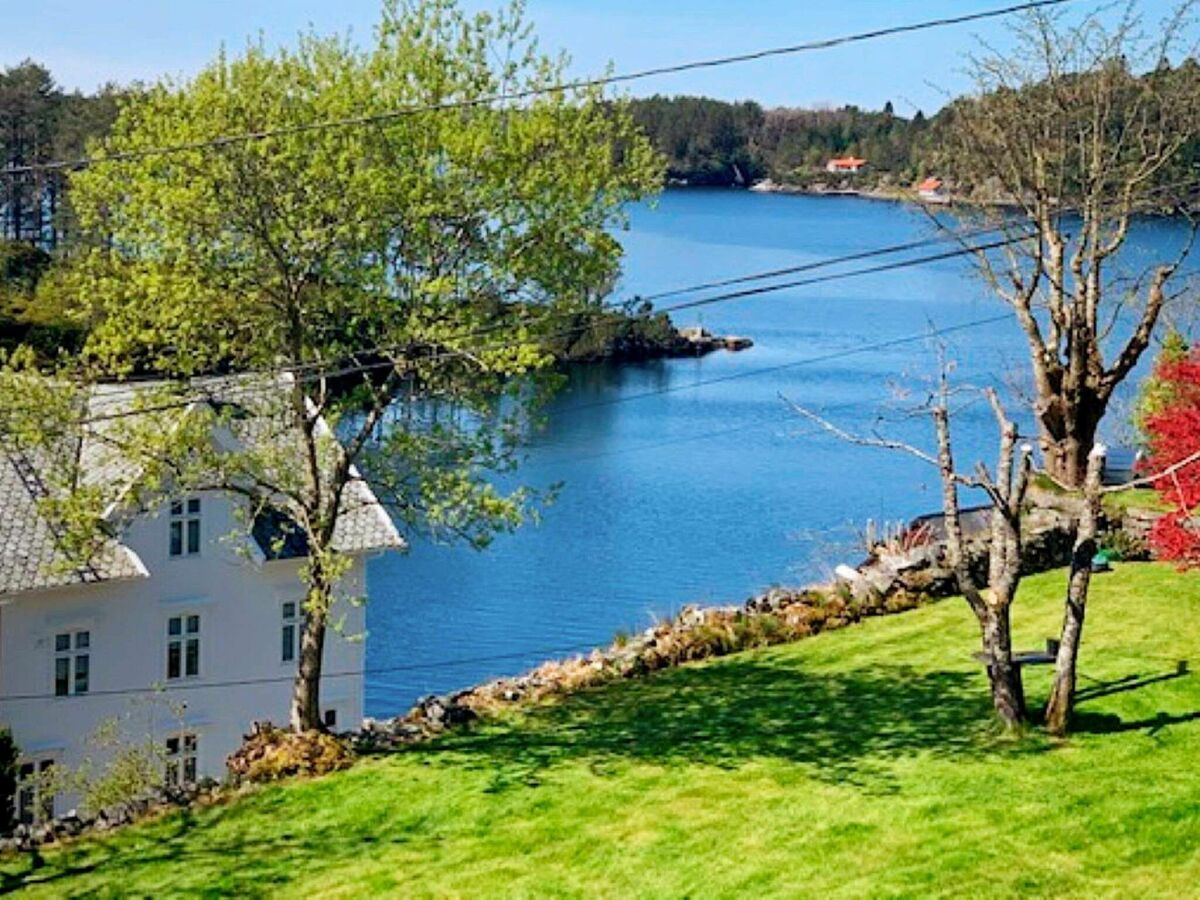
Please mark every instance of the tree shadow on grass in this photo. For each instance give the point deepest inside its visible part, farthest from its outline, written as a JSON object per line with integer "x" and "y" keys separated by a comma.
{"x": 845, "y": 727}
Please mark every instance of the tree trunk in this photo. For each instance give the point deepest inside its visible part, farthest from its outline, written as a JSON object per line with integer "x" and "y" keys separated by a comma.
{"x": 1008, "y": 692}
{"x": 306, "y": 692}
{"x": 1062, "y": 692}
{"x": 1068, "y": 434}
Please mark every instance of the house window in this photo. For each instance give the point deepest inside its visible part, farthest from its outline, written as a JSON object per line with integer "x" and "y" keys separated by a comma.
{"x": 290, "y": 643}
{"x": 330, "y": 718}
{"x": 181, "y": 760}
{"x": 183, "y": 646}
{"x": 72, "y": 663}
{"x": 185, "y": 527}
{"x": 35, "y": 797}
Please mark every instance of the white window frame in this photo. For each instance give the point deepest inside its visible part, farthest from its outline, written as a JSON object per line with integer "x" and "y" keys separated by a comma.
{"x": 29, "y": 805}
{"x": 181, "y": 756}
{"x": 76, "y": 653}
{"x": 291, "y": 617}
{"x": 185, "y": 520}
{"x": 183, "y": 640}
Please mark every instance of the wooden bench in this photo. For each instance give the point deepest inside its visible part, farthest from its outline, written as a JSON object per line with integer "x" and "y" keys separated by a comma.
{"x": 1047, "y": 657}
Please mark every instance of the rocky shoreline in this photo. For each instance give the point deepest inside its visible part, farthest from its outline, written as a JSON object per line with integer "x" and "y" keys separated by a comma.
{"x": 903, "y": 572}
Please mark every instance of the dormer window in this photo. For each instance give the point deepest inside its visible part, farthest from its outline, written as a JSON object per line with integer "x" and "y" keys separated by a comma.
{"x": 185, "y": 527}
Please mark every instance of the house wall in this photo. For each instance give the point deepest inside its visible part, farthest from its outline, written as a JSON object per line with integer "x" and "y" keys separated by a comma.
{"x": 240, "y": 604}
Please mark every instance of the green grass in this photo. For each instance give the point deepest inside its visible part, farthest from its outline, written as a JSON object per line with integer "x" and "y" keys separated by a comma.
{"x": 857, "y": 763}
{"x": 1140, "y": 498}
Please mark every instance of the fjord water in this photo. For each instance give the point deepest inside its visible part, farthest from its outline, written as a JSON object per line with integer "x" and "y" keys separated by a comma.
{"x": 691, "y": 481}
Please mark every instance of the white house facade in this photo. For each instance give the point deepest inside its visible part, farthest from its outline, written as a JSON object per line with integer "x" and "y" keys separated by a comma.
{"x": 182, "y": 635}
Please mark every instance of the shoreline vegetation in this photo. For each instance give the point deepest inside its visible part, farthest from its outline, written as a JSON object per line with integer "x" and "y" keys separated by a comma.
{"x": 907, "y": 571}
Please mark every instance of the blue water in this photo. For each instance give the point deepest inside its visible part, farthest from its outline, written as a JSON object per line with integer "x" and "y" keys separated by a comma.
{"x": 679, "y": 491}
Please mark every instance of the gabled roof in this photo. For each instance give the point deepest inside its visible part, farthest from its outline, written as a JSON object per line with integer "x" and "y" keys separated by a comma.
{"x": 32, "y": 554}
{"x": 847, "y": 162}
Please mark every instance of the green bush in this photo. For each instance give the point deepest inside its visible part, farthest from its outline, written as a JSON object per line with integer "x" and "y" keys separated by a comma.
{"x": 8, "y": 780}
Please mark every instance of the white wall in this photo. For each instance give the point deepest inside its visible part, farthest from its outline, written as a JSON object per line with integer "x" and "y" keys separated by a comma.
{"x": 240, "y": 605}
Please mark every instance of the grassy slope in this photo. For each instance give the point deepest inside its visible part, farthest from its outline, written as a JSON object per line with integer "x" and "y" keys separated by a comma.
{"x": 857, "y": 763}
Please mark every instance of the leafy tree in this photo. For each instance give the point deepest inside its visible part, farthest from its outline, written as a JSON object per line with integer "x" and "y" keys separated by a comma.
{"x": 359, "y": 264}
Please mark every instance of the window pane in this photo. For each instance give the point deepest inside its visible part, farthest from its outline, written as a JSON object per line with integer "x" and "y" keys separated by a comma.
{"x": 177, "y": 507}
{"x": 62, "y": 676}
{"x": 83, "y": 640}
{"x": 289, "y": 643}
{"x": 331, "y": 718}
{"x": 174, "y": 625}
{"x": 193, "y": 624}
{"x": 194, "y": 506}
{"x": 176, "y": 538}
{"x": 25, "y": 805}
{"x": 189, "y": 770}
{"x": 173, "y": 659}
{"x": 289, "y": 610}
{"x": 81, "y": 674}
{"x": 193, "y": 657}
{"x": 193, "y": 534}
{"x": 189, "y": 743}
{"x": 62, "y": 642}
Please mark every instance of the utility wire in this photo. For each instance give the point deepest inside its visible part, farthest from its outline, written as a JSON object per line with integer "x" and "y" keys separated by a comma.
{"x": 706, "y": 301}
{"x": 529, "y": 93}
{"x": 168, "y": 687}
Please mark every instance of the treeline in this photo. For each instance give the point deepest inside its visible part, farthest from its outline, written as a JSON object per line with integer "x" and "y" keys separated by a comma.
{"x": 711, "y": 142}
{"x": 42, "y": 123}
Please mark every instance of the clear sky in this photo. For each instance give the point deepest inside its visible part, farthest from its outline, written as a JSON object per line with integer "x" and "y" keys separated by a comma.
{"x": 88, "y": 42}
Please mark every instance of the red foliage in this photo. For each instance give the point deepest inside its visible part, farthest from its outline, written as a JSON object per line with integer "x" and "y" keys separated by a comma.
{"x": 1174, "y": 435}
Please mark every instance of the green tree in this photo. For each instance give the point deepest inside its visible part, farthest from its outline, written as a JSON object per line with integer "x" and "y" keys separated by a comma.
{"x": 362, "y": 265}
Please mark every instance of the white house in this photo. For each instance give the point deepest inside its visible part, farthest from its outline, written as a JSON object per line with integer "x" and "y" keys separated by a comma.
{"x": 183, "y": 632}
{"x": 932, "y": 190}
{"x": 845, "y": 165}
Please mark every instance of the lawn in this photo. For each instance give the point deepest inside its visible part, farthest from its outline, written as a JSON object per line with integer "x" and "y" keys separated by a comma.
{"x": 858, "y": 763}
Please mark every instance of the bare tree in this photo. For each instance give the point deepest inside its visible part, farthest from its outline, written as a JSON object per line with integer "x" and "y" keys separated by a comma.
{"x": 1065, "y": 142}
{"x": 1005, "y": 489}
{"x": 1062, "y": 693}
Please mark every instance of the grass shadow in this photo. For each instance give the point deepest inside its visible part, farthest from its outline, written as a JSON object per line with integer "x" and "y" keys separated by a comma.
{"x": 845, "y": 726}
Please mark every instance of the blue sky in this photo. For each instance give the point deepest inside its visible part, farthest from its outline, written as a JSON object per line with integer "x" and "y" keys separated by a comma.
{"x": 87, "y": 42}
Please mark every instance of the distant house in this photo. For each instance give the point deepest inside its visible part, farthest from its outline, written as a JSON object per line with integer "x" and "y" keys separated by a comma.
{"x": 185, "y": 627}
{"x": 932, "y": 190}
{"x": 845, "y": 165}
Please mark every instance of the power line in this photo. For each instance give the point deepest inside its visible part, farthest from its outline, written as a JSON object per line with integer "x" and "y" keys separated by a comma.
{"x": 529, "y": 93}
{"x": 706, "y": 301}
{"x": 782, "y": 367}
{"x": 818, "y": 264}
{"x": 278, "y": 679}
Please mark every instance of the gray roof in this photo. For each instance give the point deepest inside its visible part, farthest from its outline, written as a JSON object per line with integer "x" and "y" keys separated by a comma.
{"x": 32, "y": 555}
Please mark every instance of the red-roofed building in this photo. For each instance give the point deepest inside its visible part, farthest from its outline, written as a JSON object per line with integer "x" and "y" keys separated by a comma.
{"x": 845, "y": 165}
{"x": 931, "y": 190}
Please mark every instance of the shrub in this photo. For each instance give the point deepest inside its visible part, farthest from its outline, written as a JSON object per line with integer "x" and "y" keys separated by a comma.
{"x": 8, "y": 779}
{"x": 270, "y": 753}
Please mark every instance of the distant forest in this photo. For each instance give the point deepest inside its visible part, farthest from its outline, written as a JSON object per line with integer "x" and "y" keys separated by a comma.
{"x": 41, "y": 123}
{"x": 711, "y": 142}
